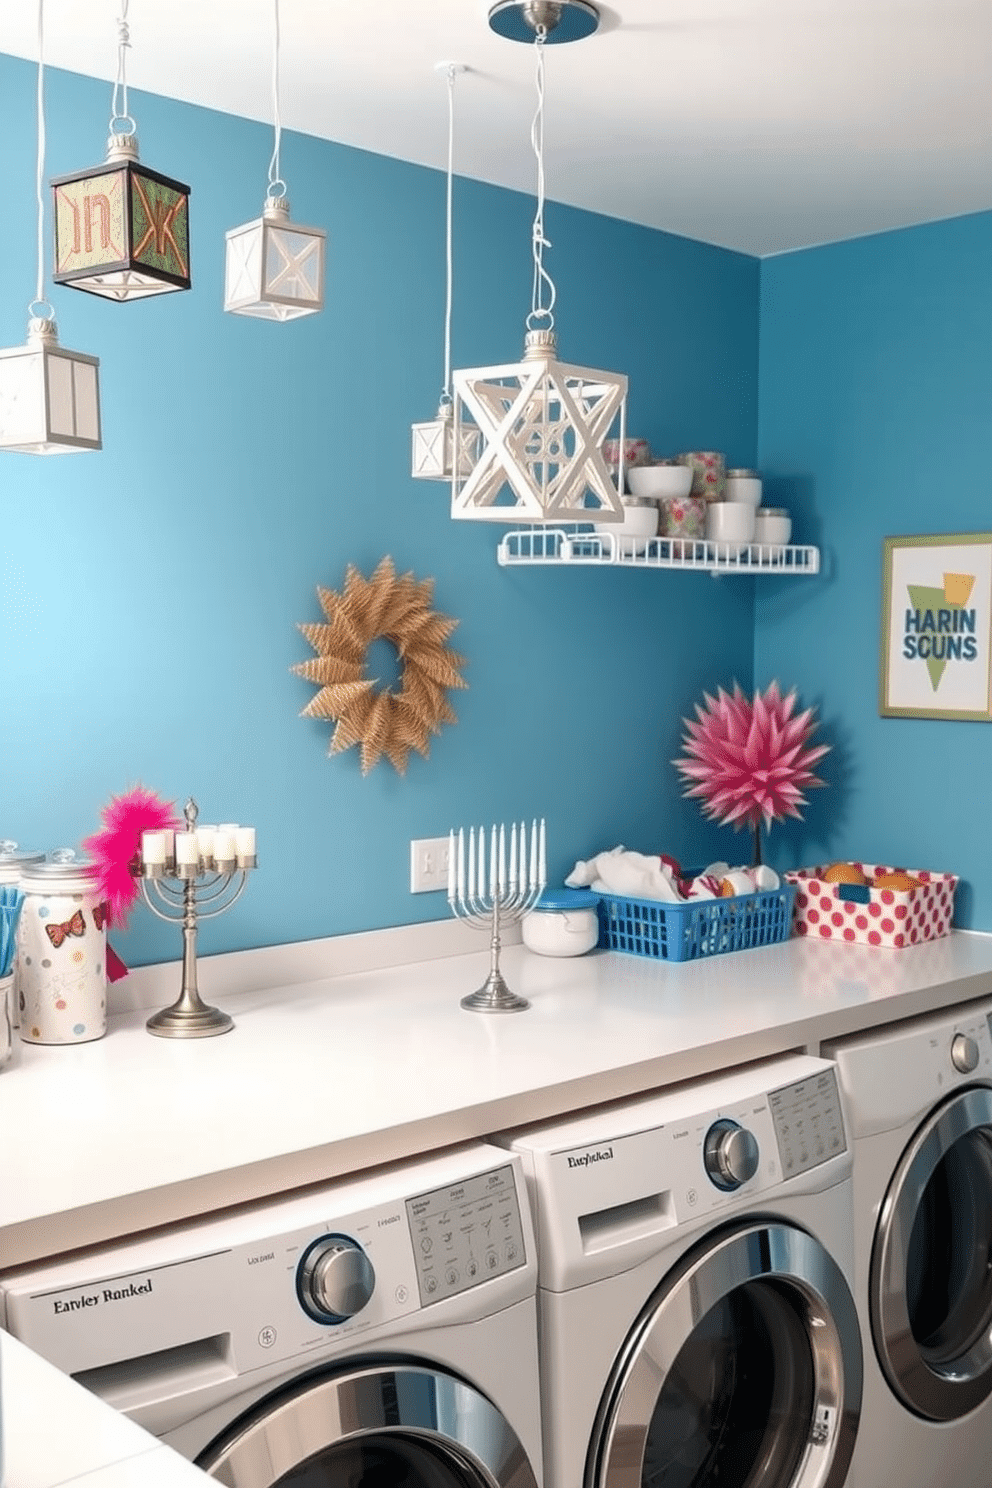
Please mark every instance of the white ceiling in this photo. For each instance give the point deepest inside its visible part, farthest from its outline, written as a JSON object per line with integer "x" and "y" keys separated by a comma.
{"x": 760, "y": 125}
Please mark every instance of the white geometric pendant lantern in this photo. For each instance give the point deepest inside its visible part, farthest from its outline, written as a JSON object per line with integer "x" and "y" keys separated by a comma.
{"x": 542, "y": 424}
{"x": 274, "y": 267}
{"x": 435, "y": 443}
{"x": 49, "y": 397}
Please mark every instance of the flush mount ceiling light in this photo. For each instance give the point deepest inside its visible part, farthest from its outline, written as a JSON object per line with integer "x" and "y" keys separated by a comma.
{"x": 275, "y": 268}
{"x": 49, "y": 397}
{"x": 542, "y": 421}
{"x": 433, "y": 444}
{"x": 121, "y": 229}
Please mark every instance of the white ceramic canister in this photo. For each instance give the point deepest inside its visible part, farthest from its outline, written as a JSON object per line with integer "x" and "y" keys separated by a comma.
{"x": 62, "y": 955}
{"x": 563, "y": 922}
{"x": 743, "y": 485}
{"x": 772, "y": 526}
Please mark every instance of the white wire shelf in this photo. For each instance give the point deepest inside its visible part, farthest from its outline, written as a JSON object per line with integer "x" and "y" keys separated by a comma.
{"x": 578, "y": 545}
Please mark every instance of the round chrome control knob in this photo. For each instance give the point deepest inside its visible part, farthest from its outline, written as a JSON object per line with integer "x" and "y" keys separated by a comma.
{"x": 336, "y": 1279}
{"x": 730, "y": 1154}
{"x": 964, "y": 1053}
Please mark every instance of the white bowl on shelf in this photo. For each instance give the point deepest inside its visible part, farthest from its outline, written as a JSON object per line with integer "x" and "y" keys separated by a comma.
{"x": 656, "y": 481}
{"x": 729, "y": 525}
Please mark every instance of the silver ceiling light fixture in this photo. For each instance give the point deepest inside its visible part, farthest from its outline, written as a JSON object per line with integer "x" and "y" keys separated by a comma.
{"x": 542, "y": 421}
{"x": 433, "y": 442}
{"x": 275, "y": 268}
{"x": 49, "y": 397}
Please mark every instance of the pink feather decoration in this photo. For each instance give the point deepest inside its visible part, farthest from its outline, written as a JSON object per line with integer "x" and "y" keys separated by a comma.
{"x": 115, "y": 848}
{"x": 749, "y": 762}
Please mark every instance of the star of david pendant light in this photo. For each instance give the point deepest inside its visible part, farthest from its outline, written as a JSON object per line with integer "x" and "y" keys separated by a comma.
{"x": 274, "y": 267}
{"x": 542, "y": 421}
{"x": 121, "y": 229}
{"x": 433, "y": 453}
{"x": 49, "y": 397}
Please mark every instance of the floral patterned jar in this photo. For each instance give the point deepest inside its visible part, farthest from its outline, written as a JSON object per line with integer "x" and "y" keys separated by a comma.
{"x": 709, "y": 473}
{"x": 61, "y": 955}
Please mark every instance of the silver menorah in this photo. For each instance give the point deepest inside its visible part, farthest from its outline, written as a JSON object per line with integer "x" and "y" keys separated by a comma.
{"x": 511, "y": 891}
{"x": 186, "y": 872}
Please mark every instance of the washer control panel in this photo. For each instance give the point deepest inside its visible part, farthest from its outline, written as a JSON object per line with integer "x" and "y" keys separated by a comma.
{"x": 809, "y": 1127}
{"x": 465, "y": 1233}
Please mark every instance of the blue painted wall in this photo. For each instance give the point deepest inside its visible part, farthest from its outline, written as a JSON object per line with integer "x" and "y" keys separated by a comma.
{"x": 876, "y": 408}
{"x": 150, "y": 593}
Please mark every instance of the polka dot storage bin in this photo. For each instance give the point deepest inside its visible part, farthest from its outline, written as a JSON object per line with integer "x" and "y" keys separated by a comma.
{"x": 863, "y": 915}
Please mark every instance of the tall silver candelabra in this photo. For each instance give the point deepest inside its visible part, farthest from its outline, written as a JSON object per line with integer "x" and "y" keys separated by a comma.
{"x": 511, "y": 892}
{"x": 181, "y": 890}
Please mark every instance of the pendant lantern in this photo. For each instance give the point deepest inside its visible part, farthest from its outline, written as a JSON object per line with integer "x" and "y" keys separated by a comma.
{"x": 121, "y": 229}
{"x": 542, "y": 421}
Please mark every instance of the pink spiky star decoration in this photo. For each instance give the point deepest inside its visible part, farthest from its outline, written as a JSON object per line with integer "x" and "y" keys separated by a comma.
{"x": 749, "y": 761}
{"x": 115, "y": 850}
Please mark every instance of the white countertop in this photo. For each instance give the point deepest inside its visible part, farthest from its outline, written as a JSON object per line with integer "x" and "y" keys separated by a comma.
{"x": 345, "y": 1071}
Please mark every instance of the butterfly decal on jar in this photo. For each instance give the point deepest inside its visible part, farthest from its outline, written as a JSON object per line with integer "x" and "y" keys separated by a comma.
{"x": 75, "y": 925}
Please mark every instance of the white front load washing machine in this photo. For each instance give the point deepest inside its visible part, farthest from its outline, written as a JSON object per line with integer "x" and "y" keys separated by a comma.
{"x": 697, "y": 1326}
{"x": 368, "y": 1333}
{"x": 919, "y": 1101}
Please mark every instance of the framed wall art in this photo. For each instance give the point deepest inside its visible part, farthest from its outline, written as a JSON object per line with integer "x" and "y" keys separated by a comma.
{"x": 936, "y": 659}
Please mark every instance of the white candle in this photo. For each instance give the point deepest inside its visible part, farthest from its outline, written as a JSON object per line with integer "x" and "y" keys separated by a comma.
{"x": 451, "y": 863}
{"x": 502, "y": 861}
{"x": 205, "y": 841}
{"x": 493, "y": 880}
{"x": 481, "y": 865}
{"x": 186, "y": 850}
{"x": 153, "y": 848}
{"x": 223, "y": 846}
{"x": 542, "y": 866}
{"x": 532, "y": 876}
{"x": 170, "y": 845}
{"x": 471, "y": 863}
{"x": 461, "y": 862}
{"x": 231, "y": 827}
{"x": 513, "y": 858}
{"x": 244, "y": 842}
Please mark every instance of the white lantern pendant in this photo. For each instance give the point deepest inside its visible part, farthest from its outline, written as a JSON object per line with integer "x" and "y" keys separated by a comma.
{"x": 542, "y": 421}
{"x": 274, "y": 268}
{"x": 436, "y": 451}
{"x": 49, "y": 397}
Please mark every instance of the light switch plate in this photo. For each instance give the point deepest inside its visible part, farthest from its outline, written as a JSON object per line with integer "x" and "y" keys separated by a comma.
{"x": 428, "y": 864}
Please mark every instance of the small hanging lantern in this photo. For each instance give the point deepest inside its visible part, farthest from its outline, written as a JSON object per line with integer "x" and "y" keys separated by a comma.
{"x": 121, "y": 229}
{"x": 542, "y": 421}
{"x": 49, "y": 397}
{"x": 274, "y": 267}
{"x": 434, "y": 444}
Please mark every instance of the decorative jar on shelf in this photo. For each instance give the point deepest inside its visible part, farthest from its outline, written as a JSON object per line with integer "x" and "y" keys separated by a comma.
{"x": 61, "y": 971}
{"x": 563, "y": 922}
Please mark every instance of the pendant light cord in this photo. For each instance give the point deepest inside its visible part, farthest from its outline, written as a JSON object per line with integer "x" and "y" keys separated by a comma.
{"x": 39, "y": 304}
{"x": 448, "y": 257}
{"x": 120, "y": 120}
{"x": 540, "y": 311}
{"x": 275, "y": 179}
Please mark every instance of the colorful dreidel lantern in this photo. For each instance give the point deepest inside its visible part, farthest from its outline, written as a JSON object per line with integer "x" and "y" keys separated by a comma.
{"x": 121, "y": 229}
{"x": 274, "y": 267}
{"x": 49, "y": 397}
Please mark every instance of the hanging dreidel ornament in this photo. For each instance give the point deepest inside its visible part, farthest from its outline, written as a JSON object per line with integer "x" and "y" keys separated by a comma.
{"x": 121, "y": 229}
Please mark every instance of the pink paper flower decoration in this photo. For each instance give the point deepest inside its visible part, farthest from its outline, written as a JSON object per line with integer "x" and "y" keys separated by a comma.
{"x": 114, "y": 849}
{"x": 749, "y": 762}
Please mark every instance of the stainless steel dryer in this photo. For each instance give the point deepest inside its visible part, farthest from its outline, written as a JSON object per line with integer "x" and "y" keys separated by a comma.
{"x": 379, "y": 1332}
{"x": 919, "y": 1100}
{"x": 696, "y": 1318}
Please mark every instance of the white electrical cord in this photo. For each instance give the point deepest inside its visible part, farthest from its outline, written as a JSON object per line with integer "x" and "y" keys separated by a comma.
{"x": 275, "y": 179}
{"x": 39, "y": 305}
{"x": 120, "y": 115}
{"x": 446, "y": 391}
{"x": 540, "y": 311}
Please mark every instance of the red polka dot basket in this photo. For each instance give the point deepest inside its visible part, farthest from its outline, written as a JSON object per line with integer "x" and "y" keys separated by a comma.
{"x": 864, "y": 915}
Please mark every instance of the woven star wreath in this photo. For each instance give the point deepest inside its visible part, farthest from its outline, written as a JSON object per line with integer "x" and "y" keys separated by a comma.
{"x": 395, "y": 608}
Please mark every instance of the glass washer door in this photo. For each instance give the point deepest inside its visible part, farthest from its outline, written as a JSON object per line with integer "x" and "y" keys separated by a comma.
{"x": 743, "y": 1369}
{"x": 372, "y": 1426}
{"x": 930, "y": 1288}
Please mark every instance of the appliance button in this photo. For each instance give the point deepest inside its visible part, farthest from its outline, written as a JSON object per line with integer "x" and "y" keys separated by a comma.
{"x": 964, "y": 1053}
{"x": 336, "y": 1279}
{"x": 730, "y": 1154}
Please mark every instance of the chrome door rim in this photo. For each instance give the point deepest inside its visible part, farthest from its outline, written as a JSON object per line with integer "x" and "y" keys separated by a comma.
{"x": 759, "y": 1250}
{"x": 394, "y": 1400}
{"x": 936, "y": 1394}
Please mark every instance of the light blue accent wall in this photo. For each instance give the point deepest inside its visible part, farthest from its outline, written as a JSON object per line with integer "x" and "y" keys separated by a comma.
{"x": 876, "y": 412}
{"x": 151, "y": 592}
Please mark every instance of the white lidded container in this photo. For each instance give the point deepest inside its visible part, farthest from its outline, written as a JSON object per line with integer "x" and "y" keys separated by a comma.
{"x": 14, "y": 859}
{"x": 62, "y": 954}
{"x": 563, "y": 922}
{"x": 743, "y": 485}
